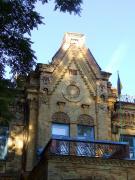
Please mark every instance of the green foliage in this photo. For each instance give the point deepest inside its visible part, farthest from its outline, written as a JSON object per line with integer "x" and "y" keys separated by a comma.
{"x": 7, "y": 94}
{"x": 17, "y": 19}
{"x": 69, "y": 6}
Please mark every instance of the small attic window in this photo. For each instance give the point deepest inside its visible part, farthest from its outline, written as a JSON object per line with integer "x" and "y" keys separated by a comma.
{"x": 73, "y": 71}
{"x": 74, "y": 41}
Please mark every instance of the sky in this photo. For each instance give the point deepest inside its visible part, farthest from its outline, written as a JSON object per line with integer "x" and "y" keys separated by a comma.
{"x": 109, "y": 27}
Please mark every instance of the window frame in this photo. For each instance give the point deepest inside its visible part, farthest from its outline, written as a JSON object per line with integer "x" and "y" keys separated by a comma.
{"x": 68, "y": 125}
{"x": 87, "y": 137}
{"x": 82, "y": 147}
{"x": 6, "y": 136}
{"x": 61, "y": 147}
{"x": 131, "y": 148}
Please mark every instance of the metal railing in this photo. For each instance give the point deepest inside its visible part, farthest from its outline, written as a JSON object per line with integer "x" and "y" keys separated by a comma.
{"x": 127, "y": 98}
{"x": 75, "y": 147}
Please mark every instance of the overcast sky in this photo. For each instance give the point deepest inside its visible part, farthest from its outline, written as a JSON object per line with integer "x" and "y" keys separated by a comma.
{"x": 109, "y": 27}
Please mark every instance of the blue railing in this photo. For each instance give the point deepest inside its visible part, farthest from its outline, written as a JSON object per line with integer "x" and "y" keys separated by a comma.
{"x": 76, "y": 147}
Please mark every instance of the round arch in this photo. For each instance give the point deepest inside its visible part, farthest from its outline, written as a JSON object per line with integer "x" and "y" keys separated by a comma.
{"x": 60, "y": 117}
{"x": 85, "y": 119}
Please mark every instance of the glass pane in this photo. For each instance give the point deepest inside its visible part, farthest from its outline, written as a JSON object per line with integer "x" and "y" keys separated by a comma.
{"x": 3, "y": 142}
{"x": 60, "y": 129}
{"x": 128, "y": 139}
{"x": 86, "y": 132}
{"x": 131, "y": 141}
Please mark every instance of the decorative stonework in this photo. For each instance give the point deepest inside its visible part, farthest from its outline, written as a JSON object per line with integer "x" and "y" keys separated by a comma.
{"x": 89, "y": 82}
{"x": 95, "y": 161}
{"x": 103, "y": 107}
{"x": 85, "y": 119}
{"x": 43, "y": 98}
{"x": 72, "y": 91}
{"x": 60, "y": 117}
{"x": 124, "y": 119}
{"x": 45, "y": 68}
{"x": 75, "y": 39}
{"x": 102, "y": 91}
{"x": 61, "y": 105}
{"x": 85, "y": 106}
{"x": 56, "y": 80}
{"x": 72, "y": 71}
{"x": 125, "y": 123}
{"x": 45, "y": 80}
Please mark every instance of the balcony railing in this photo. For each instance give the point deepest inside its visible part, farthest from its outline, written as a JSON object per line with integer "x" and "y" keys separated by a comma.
{"x": 64, "y": 146}
{"x": 127, "y": 98}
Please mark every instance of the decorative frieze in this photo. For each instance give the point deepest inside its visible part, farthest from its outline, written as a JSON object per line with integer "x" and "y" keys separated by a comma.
{"x": 60, "y": 117}
{"x": 72, "y": 71}
{"x": 45, "y": 68}
{"x": 124, "y": 119}
{"x": 94, "y": 161}
{"x": 85, "y": 119}
{"x": 102, "y": 107}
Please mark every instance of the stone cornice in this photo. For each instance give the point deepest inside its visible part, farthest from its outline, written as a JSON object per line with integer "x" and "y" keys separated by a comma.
{"x": 45, "y": 68}
{"x": 93, "y": 161}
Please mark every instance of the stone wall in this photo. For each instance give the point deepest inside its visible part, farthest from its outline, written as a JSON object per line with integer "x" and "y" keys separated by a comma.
{"x": 84, "y": 168}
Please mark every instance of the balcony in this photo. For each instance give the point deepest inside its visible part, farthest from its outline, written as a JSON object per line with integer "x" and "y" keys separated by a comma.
{"x": 128, "y": 99}
{"x": 65, "y": 146}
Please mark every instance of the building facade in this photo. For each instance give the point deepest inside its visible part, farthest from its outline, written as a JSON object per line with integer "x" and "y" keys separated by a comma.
{"x": 69, "y": 124}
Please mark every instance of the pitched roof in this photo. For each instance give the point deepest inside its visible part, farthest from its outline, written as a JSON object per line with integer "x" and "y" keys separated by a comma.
{"x": 75, "y": 43}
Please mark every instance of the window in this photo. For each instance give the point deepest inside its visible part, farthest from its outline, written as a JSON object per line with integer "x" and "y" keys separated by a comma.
{"x": 3, "y": 142}
{"x": 131, "y": 141}
{"x": 60, "y": 146}
{"x": 86, "y": 132}
{"x": 60, "y": 129}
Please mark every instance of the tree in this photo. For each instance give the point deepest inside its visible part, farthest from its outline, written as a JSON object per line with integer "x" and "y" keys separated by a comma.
{"x": 7, "y": 94}
{"x": 17, "y": 19}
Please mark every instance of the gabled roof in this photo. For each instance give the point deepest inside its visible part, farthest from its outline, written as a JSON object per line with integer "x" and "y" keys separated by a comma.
{"x": 75, "y": 43}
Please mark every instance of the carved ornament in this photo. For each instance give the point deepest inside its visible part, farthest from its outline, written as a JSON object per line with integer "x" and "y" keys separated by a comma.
{"x": 72, "y": 91}
{"x": 102, "y": 107}
{"x": 45, "y": 67}
{"x": 43, "y": 99}
{"x": 85, "y": 119}
{"x": 125, "y": 123}
{"x": 60, "y": 117}
{"x": 95, "y": 161}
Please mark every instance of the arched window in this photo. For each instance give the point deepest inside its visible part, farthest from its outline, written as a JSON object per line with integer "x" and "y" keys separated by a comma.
{"x": 60, "y": 127}
{"x": 85, "y": 128}
{"x": 60, "y": 124}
